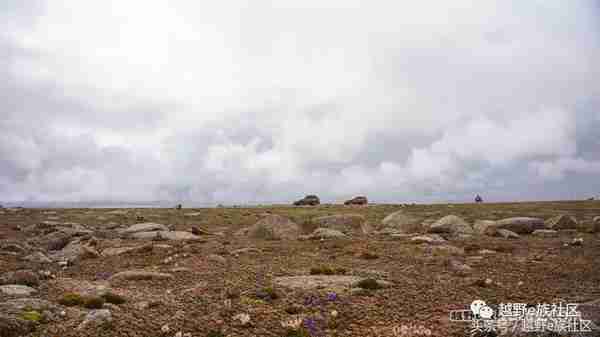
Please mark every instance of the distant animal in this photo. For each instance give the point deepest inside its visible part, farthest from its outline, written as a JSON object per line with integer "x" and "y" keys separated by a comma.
{"x": 178, "y": 206}
{"x": 589, "y": 199}
{"x": 478, "y": 199}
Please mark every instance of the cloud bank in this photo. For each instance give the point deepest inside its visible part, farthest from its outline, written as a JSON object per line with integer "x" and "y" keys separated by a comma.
{"x": 267, "y": 101}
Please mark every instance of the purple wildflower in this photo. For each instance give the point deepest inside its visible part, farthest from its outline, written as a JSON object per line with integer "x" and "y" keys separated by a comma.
{"x": 332, "y": 297}
{"x": 311, "y": 325}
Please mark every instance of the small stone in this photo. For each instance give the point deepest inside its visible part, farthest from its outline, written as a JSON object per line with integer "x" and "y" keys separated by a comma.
{"x": 165, "y": 328}
{"x": 95, "y": 318}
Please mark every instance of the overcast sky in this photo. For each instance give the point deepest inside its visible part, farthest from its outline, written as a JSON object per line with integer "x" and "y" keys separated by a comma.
{"x": 266, "y": 101}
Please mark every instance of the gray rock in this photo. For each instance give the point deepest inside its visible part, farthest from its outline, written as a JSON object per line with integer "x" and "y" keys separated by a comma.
{"x": 112, "y": 251}
{"x": 562, "y": 221}
{"x": 401, "y": 222}
{"x": 485, "y": 227}
{"x": 21, "y": 277}
{"x": 75, "y": 251}
{"x": 521, "y": 225}
{"x": 451, "y": 224}
{"x": 346, "y": 223}
{"x": 274, "y": 227}
{"x": 17, "y": 290}
{"x": 444, "y": 250}
{"x": 139, "y": 275}
{"x": 546, "y": 233}
{"x": 505, "y": 233}
{"x": 430, "y": 239}
{"x": 460, "y": 268}
{"x": 144, "y": 227}
{"x": 166, "y": 235}
{"x": 335, "y": 283}
{"x": 324, "y": 233}
{"x": 217, "y": 258}
{"x": 96, "y": 318}
{"x": 37, "y": 257}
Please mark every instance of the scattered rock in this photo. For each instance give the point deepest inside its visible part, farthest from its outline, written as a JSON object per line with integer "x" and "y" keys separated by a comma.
{"x": 546, "y": 233}
{"x": 346, "y": 223}
{"x": 505, "y": 233}
{"x": 444, "y": 250}
{"x": 17, "y": 290}
{"x": 401, "y": 222}
{"x": 324, "y": 233}
{"x": 360, "y": 201}
{"x": 562, "y": 221}
{"x": 20, "y": 277}
{"x": 485, "y": 227}
{"x": 274, "y": 227}
{"x": 451, "y": 224}
{"x": 335, "y": 283}
{"x": 127, "y": 250}
{"x": 244, "y": 251}
{"x": 460, "y": 268}
{"x": 166, "y": 235}
{"x": 96, "y": 318}
{"x": 144, "y": 227}
{"x": 139, "y": 275}
{"x": 217, "y": 258}
{"x": 430, "y": 239}
{"x": 37, "y": 257}
{"x": 521, "y": 225}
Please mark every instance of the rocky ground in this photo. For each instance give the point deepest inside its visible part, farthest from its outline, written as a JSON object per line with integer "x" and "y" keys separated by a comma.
{"x": 327, "y": 270}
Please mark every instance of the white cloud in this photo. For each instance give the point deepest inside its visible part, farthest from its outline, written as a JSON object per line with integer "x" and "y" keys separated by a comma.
{"x": 269, "y": 100}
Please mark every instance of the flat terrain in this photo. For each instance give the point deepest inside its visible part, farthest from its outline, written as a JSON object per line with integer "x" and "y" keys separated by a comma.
{"x": 212, "y": 279}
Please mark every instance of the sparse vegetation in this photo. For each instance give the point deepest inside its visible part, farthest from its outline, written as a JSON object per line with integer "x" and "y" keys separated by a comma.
{"x": 369, "y": 284}
{"x": 93, "y": 302}
{"x": 71, "y": 300}
{"x": 114, "y": 298}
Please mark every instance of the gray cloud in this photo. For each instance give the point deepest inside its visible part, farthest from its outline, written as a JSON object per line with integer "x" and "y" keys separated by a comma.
{"x": 400, "y": 102}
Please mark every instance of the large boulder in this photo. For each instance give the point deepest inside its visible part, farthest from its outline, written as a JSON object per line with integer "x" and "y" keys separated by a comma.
{"x": 144, "y": 227}
{"x": 400, "y": 222}
{"x": 562, "y": 221}
{"x": 274, "y": 227}
{"x": 345, "y": 223}
{"x": 521, "y": 225}
{"x": 75, "y": 251}
{"x": 309, "y": 200}
{"x": 451, "y": 224}
{"x": 360, "y": 201}
{"x": 55, "y": 241}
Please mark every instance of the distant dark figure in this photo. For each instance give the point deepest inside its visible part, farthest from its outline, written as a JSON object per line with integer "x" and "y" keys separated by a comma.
{"x": 178, "y": 206}
{"x": 140, "y": 218}
{"x": 478, "y": 199}
{"x": 590, "y": 199}
{"x": 309, "y": 200}
{"x": 361, "y": 200}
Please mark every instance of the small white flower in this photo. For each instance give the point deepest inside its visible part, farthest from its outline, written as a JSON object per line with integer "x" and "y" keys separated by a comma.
{"x": 334, "y": 313}
{"x": 165, "y": 328}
